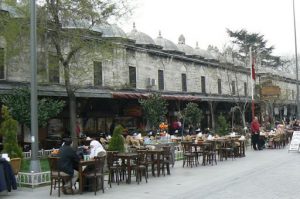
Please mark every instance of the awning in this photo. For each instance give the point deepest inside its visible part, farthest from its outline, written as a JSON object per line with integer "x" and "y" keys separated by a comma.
{"x": 132, "y": 95}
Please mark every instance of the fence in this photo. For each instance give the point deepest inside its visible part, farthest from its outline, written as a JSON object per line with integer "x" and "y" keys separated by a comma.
{"x": 33, "y": 179}
{"x": 41, "y": 153}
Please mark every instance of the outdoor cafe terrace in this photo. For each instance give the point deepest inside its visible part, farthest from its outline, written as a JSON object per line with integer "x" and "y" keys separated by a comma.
{"x": 150, "y": 156}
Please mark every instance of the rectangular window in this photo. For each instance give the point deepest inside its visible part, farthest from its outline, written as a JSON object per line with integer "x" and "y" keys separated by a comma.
{"x": 97, "y": 73}
{"x": 1, "y": 63}
{"x": 219, "y": 87}
{"x": 293, "y": 94}
{"x": 245, "y": 89}
{"x": 183, "y": 82}
{"x": 203, "y": 84}
{"x": 233, "y": 87}
{"x": 132, "y": 76}
{"x": 161, "y": 85}
{"x": 53, "y": 64}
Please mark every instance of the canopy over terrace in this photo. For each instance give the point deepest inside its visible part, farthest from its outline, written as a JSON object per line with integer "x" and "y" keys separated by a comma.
{"x": 136, "y": 95}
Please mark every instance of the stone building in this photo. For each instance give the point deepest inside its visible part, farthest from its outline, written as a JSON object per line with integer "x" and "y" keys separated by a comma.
{"x": 109, "y": 83}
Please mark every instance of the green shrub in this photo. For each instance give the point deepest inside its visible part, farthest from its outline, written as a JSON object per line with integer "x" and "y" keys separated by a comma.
{"x": 222, "y": 126}
{"x": 116, "y": 143}
{"x": 8, "y": 129}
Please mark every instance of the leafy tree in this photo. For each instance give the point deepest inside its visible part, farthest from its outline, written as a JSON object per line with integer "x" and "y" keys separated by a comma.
{"x": 155, "y": 109}
{"x": 18, "y": 102}
{"x": 8, "y": 129}
{"x": 68, "y": 25}
{"x": 244, "y": 40}
{"x": 116, "y": 143}
{"x": 222, "y": 126}
{"x": 192, "y": 114}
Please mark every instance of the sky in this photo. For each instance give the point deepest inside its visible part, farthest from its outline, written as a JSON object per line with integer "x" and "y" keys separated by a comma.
{"x": 205, "y": 21}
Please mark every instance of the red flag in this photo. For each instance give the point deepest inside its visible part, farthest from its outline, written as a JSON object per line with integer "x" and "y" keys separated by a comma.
{"x": 253, "y": 69}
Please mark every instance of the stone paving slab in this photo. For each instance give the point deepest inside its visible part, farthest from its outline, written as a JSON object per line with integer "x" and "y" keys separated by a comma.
{"x": 267, "y": 174}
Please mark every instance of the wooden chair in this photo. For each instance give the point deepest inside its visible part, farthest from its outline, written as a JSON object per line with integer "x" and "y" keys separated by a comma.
{"x": 57, "y": 176}
{"x": 209, "y": 154}
{"x": 141, "y": 167}
{"x": 97, "y": 173}
{"x": 114, "y": 168}
{"x": 166, "y": 159}
{"x": 188, "y": 156}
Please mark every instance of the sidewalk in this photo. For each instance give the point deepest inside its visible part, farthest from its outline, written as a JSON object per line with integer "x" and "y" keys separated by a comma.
{"x": 271, "y": 173}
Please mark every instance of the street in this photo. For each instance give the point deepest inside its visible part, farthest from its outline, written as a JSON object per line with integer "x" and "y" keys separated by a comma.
{"x": 267, "y": 174}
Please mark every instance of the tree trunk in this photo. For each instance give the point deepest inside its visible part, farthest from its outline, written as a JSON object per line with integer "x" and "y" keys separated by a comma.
{"x": 212, "y": 112}
{"x": 72, "y": 112}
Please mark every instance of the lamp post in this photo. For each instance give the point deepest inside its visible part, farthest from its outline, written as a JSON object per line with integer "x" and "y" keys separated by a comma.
{"x": 34, "y": 163}
{"x": 296, "y": 55}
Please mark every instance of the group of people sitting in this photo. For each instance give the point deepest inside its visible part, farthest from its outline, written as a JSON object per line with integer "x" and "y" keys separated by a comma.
{"x": 69, "y": 160}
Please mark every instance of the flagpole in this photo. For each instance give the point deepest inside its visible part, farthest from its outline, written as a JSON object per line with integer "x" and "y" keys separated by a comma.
{"x": 252, "y": 83}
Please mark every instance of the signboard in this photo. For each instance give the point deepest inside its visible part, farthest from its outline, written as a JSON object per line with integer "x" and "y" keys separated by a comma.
{"x": 270, "y": 91}
{"x": 294, "y": 145}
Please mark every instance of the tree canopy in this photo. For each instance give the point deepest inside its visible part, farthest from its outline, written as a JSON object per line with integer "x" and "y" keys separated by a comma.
{"x": 18, "y": 103}
{"x": 192, "y": 114}
{"x": 260, "y": 49}
{"x": 65, "y": 30}
{"x": 155, "y": 109}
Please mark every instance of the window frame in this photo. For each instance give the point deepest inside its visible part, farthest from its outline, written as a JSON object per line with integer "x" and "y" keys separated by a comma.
{"x": 53, "y": 78}
{"x": 2, "y": 65}
{"x": 132, "y": 80}
{"x": 203, "y": 84}
{"x": 161, "y": 79}
{"x": 219, "y": 86}
{"x": 98, "y": 73}
{"x": 184, "y": 82}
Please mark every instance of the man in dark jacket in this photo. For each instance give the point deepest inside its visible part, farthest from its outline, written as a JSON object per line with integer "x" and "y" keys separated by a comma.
{"x": 68, "y": 163}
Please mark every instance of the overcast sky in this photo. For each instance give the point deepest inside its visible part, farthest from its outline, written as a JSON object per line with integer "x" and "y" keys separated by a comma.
{"x": 206, "y": 21}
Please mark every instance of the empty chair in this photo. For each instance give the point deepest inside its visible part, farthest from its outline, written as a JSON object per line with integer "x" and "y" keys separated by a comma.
{"x": 166, "y": 159}
{"x": 188, "y": 156}
{"x": 114, "y": 168}
{"x": 141, "y": 167}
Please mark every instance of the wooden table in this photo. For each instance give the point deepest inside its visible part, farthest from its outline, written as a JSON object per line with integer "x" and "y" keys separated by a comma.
{"x": 158, "y": 154}
{"x": 161, "y": 145}
{"x": 126, "y": 160}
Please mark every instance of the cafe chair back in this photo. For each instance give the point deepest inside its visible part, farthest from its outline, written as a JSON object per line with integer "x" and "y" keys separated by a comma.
{"x": 57, "y": 176}
{"x": 97, "y": 174}
{"x": 114, "y": 168}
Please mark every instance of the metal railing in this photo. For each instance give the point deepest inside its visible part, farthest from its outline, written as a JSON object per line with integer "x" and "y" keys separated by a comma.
{"x": 33, "y": 179}
{"x": 41, "y": 153}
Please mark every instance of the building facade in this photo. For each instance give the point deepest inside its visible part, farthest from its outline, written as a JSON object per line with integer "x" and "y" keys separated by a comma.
{"x": 111, "y": 80}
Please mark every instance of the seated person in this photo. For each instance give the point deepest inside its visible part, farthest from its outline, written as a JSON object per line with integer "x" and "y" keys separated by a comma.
{"x": 96, "y": 149}
{"x": 68, "y": 163}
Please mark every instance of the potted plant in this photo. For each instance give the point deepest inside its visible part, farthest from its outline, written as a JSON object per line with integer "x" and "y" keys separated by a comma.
{"x": 8, "y": 129}
{"x": 117, "y": 141}
{"x": 222, "y": 126}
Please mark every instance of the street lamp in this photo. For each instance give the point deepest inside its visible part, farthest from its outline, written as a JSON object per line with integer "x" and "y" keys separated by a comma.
{"x": 296, "y": 55}
{"x": 34, "y": 163}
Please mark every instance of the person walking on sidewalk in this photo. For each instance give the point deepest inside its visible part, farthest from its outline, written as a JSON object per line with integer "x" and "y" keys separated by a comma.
{"x": 255, "y": 133}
